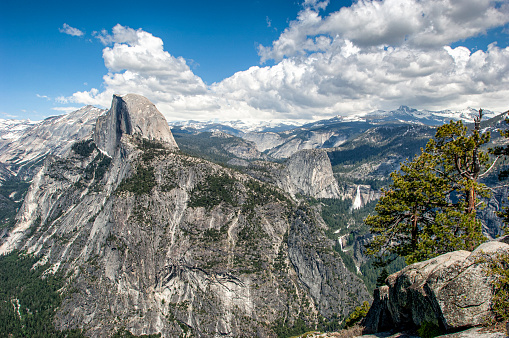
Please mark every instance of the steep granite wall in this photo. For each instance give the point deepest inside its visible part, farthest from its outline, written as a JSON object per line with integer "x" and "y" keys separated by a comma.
{"x": 309, "y": 172}
{"x": 131, "y": 114}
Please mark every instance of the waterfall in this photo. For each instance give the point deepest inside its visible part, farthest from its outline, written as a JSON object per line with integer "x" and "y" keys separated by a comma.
{"x": 357, "y": 202}
{"x": 340, "y": 241}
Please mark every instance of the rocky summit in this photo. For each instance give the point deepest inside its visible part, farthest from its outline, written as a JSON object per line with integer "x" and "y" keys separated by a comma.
{"x": 152, "y": 240}
{"x": 131, "y": 114}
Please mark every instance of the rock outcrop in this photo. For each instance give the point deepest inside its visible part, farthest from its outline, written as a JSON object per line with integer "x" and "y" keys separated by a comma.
{"x": 131, "y": 114}
{"x": 451, "y": 291}
{"x": 309, "y": 172}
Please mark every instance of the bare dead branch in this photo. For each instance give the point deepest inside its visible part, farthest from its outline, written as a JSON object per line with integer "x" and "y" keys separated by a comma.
{"x": 491, "y": 167}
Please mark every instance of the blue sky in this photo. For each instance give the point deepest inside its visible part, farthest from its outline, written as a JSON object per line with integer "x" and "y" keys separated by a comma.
{"x": 262, "y": 59}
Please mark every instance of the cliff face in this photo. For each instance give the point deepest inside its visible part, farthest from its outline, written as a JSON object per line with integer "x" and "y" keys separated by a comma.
{"x": 24, "y": 148}
{"x": 279, "y": 147}
{"x": 311, "y": 140}
{"x": 309, "y": 172}
{"x": 492, "y": 223}
{"x": 155, "y": 241}
{"x": 131, "y": 114}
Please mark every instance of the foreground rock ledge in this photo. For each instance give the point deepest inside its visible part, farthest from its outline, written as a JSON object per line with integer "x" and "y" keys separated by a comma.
{"x": 451, "y": 291}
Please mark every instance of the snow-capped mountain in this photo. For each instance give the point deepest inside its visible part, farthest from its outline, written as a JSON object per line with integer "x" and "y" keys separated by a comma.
{"x": 334, "y": 132}
{"x": 403, "y": 114}
{"x": 426, "y": 117}
{"x": 238, "y": 127}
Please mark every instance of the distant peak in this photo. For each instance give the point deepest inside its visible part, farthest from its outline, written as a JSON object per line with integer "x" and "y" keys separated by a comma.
{"x": 406, "y": 109}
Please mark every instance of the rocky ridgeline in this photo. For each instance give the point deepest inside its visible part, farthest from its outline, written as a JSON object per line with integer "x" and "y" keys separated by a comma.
{"x": 451, "y": 291}
{"x": 23, "y": 154}
{"x": 312, "y": 140}
{"x": 284, "y": 145}
{"x": 152, "y": 240}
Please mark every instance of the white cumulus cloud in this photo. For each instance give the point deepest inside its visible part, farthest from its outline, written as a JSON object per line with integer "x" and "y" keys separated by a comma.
{"x": 138, "y": 63}
{"x": 367, "y": 24}
{"x": 372, "y": 55}
{"x": 66, "y": 29}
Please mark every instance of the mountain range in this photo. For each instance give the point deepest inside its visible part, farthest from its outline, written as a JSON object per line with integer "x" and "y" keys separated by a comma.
{"x": 205, "y": 228}
{"x": 279, "y": 139}
{"x": 403, "y": 114}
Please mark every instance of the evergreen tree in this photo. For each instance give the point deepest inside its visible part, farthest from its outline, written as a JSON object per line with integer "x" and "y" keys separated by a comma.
{"x": 430, "y": 207}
